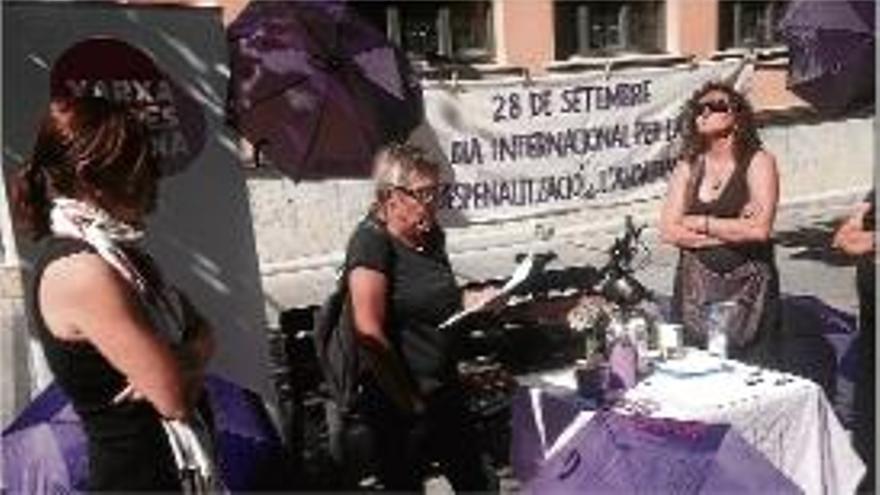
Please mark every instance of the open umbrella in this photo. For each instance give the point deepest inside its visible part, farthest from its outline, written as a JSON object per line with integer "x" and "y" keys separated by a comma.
{"x": 45, "y": 451}
{"x": 316, "y": 89}
{"x": 831, "y": 52}
{"x": 251, "y": 455}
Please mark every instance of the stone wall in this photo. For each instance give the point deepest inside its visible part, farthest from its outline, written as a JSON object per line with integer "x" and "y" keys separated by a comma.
{"x": 301, "y": 228}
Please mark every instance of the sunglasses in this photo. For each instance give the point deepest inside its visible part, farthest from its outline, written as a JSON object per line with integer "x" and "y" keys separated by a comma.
{"x": 424, "y": 195}
{"x": 713, "y": 106}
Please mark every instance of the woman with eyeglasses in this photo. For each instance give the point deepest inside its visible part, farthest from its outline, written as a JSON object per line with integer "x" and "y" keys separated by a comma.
{"x": 402, "y": 288}
{"x": 719, "y": 211}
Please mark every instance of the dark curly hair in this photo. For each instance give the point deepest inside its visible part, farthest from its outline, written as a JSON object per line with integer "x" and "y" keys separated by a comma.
{"x": 86, "y": 148}
{"x": 746, "y": 141}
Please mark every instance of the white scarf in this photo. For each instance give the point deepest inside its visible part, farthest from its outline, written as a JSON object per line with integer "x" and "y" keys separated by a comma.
{"x": 190, "y": 444}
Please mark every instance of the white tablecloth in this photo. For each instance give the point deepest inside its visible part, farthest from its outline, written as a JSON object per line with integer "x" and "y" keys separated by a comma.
{"x": 785, "y": 417}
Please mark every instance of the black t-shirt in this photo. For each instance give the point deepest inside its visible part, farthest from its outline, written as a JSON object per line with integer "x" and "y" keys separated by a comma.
{"x": 423, "y": 293}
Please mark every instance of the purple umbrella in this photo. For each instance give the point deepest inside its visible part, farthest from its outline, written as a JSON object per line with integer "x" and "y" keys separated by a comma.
{"x": 44, "y": 449}
{"x": 317, "y": 89}
{"x": 831, "y": 52}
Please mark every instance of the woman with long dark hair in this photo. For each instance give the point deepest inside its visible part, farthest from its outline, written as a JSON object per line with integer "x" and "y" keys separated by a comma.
{"x": 719, "y": 211}
{"x": 127, "y": 349}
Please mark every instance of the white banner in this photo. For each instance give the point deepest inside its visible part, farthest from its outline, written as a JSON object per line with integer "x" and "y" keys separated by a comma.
{"x": 520, "y": 148}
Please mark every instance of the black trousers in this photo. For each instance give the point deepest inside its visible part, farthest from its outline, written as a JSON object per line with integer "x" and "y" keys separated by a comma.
{"x": 864, "y": 404}
{"x": 408, "y": 444}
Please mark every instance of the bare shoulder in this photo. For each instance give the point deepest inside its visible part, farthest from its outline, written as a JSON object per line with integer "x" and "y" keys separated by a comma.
{"x": 763, "y": 161}
{"x": 81, "y": 276}
{"x": 682, "y": 171}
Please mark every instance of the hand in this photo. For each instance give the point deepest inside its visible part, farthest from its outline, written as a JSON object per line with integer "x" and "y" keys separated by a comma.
{"x": 696, "y": 223}
{"x": 477, "y": 297}
{"x": 750, "y": 210}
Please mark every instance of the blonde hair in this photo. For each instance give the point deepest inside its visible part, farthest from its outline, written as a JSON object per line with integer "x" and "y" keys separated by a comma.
{"x": 396, "y": 164}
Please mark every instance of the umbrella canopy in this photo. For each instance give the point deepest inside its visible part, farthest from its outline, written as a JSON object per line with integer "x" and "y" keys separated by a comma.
{"x": 831, "y": 51}
{"x": 316, "y": 89}
{"x": 45, "y": 450}
{"x": 634, "y": 454}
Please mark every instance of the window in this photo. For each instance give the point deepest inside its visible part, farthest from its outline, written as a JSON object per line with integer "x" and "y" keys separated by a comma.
{"x": 750, "y": 23}
{"x": 602, "y": 28}
{"x": 458, "y": 31}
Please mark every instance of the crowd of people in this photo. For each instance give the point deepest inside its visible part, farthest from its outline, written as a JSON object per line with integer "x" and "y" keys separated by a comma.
{"x": 130, "y": 350}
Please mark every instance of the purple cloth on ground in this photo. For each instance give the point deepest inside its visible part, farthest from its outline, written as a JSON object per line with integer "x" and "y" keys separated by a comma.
{"x": 628, "y": 454}
{"x": 45, "y": 447}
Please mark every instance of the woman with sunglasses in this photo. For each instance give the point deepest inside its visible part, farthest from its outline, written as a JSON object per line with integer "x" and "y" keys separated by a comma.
{"x": 402, "y": 287}
{"x": 719, "y": 211}
{"x": 127, "y": 349}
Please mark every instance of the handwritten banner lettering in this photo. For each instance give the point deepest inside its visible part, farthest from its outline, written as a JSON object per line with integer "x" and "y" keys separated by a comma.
{"x": 560, "y": 142}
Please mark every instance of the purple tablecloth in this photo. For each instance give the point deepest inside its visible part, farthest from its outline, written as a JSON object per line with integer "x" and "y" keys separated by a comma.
{"x": 615, "y": 453}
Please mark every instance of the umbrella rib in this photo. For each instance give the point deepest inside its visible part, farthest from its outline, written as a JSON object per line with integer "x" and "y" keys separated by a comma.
{"x": 277, "y": 92}
{"x": 312, "y": 141}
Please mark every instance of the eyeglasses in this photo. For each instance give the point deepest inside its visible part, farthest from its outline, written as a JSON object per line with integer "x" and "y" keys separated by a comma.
{"x": 713, "y": 106}
{"x": 424, "y": 195}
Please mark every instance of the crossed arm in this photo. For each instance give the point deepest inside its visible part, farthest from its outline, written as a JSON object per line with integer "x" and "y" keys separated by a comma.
{"x": 755, "y": 223}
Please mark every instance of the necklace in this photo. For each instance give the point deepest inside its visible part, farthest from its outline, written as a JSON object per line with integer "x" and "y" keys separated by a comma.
{"x": 717, "y": 180}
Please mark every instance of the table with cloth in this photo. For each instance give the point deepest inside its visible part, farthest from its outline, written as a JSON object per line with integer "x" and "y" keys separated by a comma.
{"x": 778, "y": 417}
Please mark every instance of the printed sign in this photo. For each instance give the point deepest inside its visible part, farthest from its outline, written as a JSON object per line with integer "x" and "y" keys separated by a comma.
{"x": 561, "y": 142}
{"x": 113, "y": 69}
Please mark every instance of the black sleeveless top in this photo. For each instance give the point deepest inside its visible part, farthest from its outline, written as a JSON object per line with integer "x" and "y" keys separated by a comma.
{"x": 128, "y": 448}
{"x": 729, "y": 204}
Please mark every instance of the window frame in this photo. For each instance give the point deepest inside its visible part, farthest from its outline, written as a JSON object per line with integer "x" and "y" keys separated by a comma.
{"x": 627, "y": 42}
{"x": 445, "y": 49}
{"x": 732, "y": 30}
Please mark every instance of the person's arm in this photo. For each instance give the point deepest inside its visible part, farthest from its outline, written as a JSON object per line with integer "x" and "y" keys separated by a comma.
{"x": 675, "y": 227}
{"x": 369, "y": 292}
{"x": 755, "y": 223}
{"x": 851, "y": 238}
{"x": 84, "y": 294}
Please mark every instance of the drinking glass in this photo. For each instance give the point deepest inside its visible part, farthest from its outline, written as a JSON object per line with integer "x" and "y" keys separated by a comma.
{"x": 719, "y": 318}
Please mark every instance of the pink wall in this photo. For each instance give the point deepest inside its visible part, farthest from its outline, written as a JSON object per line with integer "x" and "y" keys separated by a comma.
{"x": 524, "y": 33}
{"x": 524, "y": 37}
{"x": 692, "y": 27}
{"x": 769, "y": 91}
